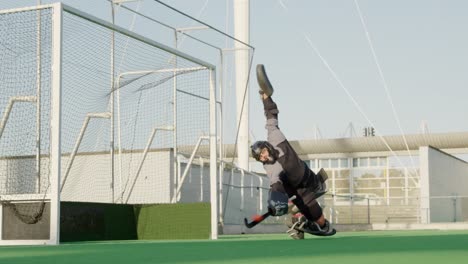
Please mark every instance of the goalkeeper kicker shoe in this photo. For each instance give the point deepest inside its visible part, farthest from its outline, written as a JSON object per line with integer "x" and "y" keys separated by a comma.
{"x": 314, "y": 229}
{"x": 297, "y": 222}
{"x": 262, "y": 79}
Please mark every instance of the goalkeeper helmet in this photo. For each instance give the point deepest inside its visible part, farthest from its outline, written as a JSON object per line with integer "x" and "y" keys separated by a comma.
{"x": 259, "y": 146}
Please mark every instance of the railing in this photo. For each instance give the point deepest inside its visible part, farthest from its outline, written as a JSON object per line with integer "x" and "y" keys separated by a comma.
{"x": 244, "y": 199}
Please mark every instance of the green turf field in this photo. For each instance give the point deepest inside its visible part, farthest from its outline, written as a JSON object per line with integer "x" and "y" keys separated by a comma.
{"x": 378, "y": 247}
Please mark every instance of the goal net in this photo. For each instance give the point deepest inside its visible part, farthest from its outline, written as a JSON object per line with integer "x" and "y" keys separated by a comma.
{"x": 93, "y": 113}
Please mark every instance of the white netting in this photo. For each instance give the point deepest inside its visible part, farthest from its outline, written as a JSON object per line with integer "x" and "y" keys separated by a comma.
{"x": 141, "y": 170}
{"x": 25, "y": 80}
{"x": 127, "y": 159}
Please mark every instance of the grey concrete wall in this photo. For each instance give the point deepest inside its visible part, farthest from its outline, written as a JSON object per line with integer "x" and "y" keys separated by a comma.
{"x": 444, "y": 180}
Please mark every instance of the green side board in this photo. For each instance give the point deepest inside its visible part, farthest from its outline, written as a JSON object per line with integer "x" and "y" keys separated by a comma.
{"x": 173, "y": 221}
{"x": 95, "y": 221}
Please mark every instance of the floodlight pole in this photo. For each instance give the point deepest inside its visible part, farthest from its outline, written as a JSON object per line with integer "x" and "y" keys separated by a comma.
{"x": 241, "y": 32}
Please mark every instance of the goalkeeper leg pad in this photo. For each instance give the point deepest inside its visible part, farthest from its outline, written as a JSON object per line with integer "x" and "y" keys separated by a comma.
{"x": 297, "y": 220}
{"x": 263, "y": 82}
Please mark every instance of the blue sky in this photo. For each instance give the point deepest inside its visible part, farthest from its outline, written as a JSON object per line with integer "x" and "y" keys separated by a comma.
{"x": 420, "y": 47}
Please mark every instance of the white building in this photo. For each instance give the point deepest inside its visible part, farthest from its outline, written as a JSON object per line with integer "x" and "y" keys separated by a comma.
{"x": 392, "y": 179}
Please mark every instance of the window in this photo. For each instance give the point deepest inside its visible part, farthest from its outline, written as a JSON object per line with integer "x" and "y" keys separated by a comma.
{"x": 312, "y": 164}
{"x": 324, "y": 163}
{"x": 355, "y": 162}
{"x": 382, "y": 161}
{"x": 344, "y": 163}
{"x": 334, "y": 163}
{"x": 363, "y": 162}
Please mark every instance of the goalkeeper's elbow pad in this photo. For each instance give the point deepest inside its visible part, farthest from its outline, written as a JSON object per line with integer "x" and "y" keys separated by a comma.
{"x": 278, "y": 203}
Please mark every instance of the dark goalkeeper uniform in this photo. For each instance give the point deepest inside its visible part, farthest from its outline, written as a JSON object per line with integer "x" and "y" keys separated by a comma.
{"x": 294, "y": 174}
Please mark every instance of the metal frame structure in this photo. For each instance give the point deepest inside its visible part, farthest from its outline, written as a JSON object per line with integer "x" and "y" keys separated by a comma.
{"x": 56, "y": 114}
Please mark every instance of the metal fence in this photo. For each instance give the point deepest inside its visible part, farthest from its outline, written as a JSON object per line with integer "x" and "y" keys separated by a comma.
{"x": 246, "y": 197}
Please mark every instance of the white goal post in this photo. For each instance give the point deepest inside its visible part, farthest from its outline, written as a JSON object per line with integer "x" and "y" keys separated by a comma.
{"x": 92, "y": 112}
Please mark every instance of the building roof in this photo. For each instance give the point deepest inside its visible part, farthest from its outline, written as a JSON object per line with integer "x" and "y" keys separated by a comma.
{"x": 451, "y": 140}
{"x": 384, "y": 143}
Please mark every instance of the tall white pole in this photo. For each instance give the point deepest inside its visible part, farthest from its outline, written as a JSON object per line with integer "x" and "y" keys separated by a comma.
{"x": 38, "y": 99}
{"x": 112, "y": 98}
{"x": 213, "y": 157}
{"x": 174, "y": 120}
{"x": 241, "y": 32}
{"x": 55, "y": 126}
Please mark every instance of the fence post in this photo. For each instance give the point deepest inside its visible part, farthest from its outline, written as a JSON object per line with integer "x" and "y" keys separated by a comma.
{"x": 368, "y": 209}
{"x": 454, "y": 198}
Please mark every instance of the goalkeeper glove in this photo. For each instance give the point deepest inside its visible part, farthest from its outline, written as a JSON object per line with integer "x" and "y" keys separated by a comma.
{"x": 278, "y": 203}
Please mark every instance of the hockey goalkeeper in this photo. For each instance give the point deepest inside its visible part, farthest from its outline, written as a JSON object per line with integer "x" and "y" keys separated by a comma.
{"x": 289, "y": 176}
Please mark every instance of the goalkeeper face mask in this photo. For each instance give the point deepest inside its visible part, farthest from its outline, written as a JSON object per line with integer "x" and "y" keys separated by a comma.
{"x": 264, "y": 152}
